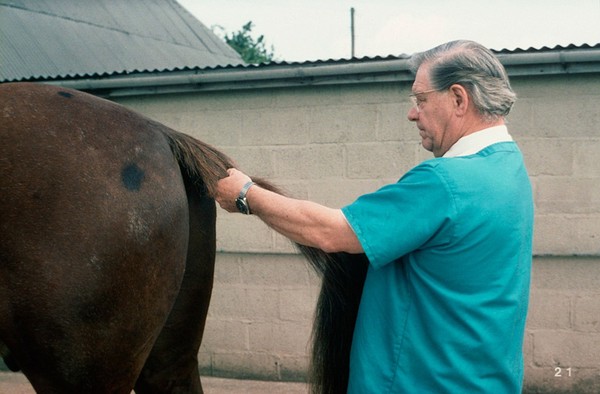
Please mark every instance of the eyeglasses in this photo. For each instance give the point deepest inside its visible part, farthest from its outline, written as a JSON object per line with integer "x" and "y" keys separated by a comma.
{"x": 417, "y": 101}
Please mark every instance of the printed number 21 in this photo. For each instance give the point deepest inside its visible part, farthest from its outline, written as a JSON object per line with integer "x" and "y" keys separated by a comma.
{"x": 558, "y": 372}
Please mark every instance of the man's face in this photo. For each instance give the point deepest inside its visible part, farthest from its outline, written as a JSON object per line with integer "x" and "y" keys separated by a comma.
{"x": 432, "y": 114}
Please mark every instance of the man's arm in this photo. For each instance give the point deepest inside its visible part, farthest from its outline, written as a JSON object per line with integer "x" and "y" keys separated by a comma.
{"x": 304, "y": 222}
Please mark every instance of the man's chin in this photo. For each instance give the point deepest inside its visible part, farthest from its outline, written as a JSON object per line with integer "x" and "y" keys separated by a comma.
{"x": 427, "y": 145}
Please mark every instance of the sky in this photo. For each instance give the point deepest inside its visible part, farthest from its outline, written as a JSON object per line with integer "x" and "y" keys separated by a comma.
{"x": 309, "y": 30}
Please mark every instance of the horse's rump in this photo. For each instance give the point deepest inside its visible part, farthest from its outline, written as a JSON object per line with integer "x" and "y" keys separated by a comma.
{"x": 93, "y": 237}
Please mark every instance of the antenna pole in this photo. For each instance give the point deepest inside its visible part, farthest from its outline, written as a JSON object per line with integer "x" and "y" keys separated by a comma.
{"x": 352, "y": 30}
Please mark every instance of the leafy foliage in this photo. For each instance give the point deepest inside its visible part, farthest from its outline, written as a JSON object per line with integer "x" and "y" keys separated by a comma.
{"x": 252, "y": 50}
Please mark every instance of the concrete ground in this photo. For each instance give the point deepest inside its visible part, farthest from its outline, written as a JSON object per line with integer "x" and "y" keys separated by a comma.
{"x": 16, "y": 383}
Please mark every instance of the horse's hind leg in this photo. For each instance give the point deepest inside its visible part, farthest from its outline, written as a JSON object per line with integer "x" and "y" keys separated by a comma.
{"x": 80, "y": 341}
{"x": 172, "y": 366}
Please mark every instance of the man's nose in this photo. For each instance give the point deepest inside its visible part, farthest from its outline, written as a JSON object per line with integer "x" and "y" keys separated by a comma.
{"x": 413, "y": 114}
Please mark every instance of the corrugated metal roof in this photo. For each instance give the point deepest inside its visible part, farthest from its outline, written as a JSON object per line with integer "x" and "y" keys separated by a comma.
{"x": 504, "y": 51}
{"x": 57, "y": 39}
{"x": 546, "y": 48}
{"x": 559, "y": 60}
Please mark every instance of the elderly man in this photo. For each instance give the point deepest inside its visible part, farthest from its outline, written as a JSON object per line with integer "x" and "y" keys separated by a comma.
{"x": 449, "y": 245}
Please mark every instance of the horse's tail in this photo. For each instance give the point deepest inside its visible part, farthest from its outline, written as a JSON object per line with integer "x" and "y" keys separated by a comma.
{"x": 204, "y": 164}
{"x": 201, "y": 163}
{"x": 342, "y": 274}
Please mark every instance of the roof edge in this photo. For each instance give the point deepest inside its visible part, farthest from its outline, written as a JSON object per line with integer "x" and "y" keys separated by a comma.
{"x": 390, "y": 69}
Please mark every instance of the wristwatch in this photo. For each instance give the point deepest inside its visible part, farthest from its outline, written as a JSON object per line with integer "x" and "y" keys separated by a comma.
{"x": 241, "y": 202}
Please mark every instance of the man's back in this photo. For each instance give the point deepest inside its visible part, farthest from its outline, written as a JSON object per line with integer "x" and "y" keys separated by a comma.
{"x": 444, "y": 309}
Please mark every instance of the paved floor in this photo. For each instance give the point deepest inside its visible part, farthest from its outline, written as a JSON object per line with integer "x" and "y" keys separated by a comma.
{"x": 15, "y": 383}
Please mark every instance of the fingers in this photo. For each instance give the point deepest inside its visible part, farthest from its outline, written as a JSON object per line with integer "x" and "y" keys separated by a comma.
{"x": 228, "y": 189}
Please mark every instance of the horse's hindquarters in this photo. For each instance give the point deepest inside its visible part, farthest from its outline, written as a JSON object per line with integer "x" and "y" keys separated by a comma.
{"x": 93, "y": 239}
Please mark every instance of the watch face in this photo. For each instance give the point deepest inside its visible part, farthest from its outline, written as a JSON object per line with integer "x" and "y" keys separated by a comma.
{"x": 242, "y": 206}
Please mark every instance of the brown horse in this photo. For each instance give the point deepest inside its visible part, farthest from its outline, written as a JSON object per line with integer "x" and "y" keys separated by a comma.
{"x": 107, "y": 248}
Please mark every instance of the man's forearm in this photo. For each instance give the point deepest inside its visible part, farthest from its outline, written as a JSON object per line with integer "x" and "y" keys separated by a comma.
{"x": 304, "y": 222}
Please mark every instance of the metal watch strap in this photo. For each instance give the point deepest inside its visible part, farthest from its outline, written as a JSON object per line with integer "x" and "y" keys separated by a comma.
{"x": 245, "y": 189}
{"x": 242, "y": 199}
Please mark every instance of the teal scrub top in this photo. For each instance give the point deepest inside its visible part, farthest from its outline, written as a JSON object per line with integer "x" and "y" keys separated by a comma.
{"x": 445, "y": 299}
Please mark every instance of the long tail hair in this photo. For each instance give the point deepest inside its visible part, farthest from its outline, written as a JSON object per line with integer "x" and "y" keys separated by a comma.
{"x": 342, "y": 274}
{"x": 342, "y": 279}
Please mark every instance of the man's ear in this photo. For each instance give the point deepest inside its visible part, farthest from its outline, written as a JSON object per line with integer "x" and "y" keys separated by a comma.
{"x": 460, "y": 98}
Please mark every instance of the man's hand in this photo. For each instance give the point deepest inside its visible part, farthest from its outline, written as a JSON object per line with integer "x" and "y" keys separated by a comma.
{"x": 228, "y": 189}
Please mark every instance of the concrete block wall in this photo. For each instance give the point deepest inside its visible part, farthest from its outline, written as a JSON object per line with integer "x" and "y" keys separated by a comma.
{"x": 332, "y": 143}
{"x": 562, "y": 342}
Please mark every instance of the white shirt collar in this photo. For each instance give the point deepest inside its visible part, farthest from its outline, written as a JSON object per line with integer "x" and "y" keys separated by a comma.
{"x": 473, "y": 143}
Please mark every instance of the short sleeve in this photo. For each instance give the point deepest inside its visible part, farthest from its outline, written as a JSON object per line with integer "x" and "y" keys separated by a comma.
{"x": 413, "y": 213}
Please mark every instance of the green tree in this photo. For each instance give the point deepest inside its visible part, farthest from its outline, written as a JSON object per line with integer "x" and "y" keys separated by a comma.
{"x": 252, "y": 50}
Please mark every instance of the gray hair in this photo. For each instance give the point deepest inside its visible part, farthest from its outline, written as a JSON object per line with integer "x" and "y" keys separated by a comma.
{"x": 474, "y": 67}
